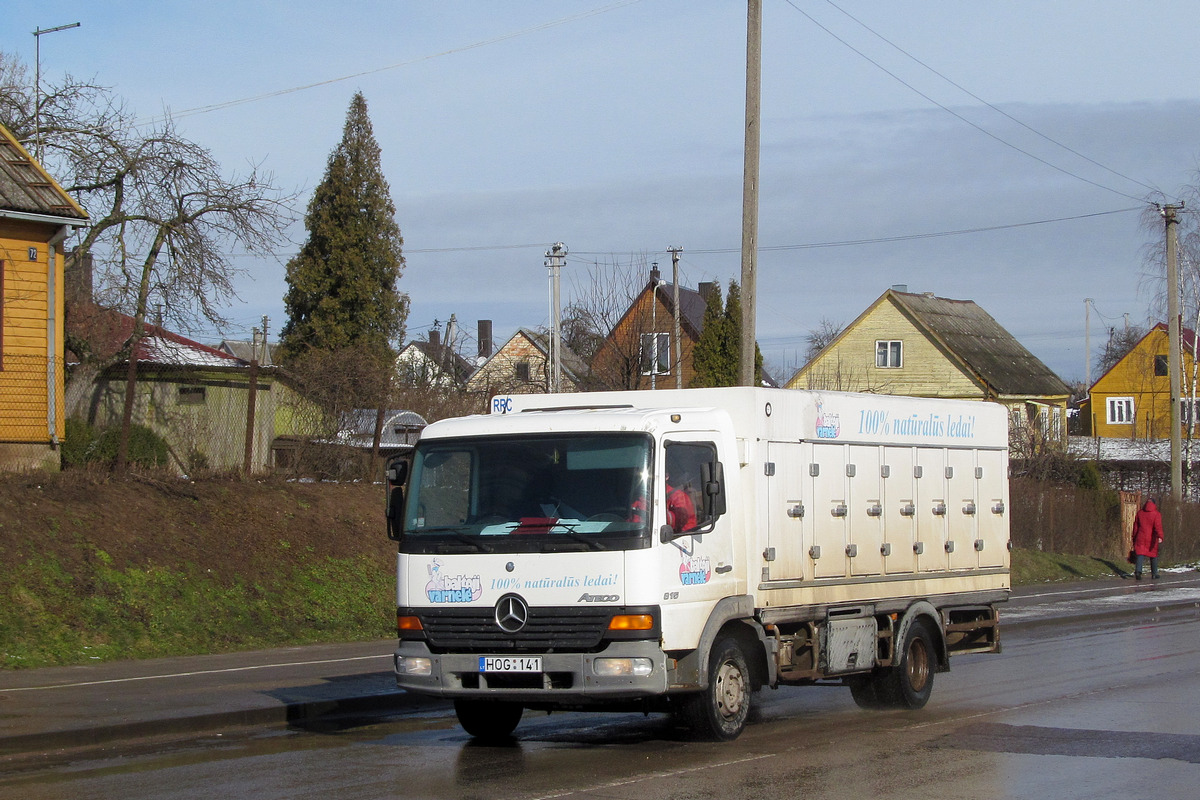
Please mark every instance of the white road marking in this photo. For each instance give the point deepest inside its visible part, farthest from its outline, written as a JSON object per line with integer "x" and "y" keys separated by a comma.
{"x": 194, "y": 673}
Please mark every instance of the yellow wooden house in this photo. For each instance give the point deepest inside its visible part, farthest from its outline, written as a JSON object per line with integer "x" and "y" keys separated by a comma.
{"x": 921, "y": 345}
{"x": 36, "y": 216}
{"x": 1132, "y": 400}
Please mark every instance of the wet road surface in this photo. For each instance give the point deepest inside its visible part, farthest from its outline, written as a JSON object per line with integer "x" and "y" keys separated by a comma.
{"x": 1100, "y": 706}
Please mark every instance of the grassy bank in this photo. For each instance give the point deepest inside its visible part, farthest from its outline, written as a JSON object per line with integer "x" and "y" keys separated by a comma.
{"x": 95, "y": 569}
{"x": 107, "y": 613}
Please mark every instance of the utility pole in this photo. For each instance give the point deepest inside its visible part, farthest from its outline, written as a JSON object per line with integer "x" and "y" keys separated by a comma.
{"x": 750, "y": 188}
{"x": 251, "y": 400}
{"x": 263, "y": 359}
{"x": 37, "y": 83}
{"x": 675, "y": 251}
{"x": 1173, "y": 361}
{"x": 554, "y": 261}
{"x": 1087, "y": 342}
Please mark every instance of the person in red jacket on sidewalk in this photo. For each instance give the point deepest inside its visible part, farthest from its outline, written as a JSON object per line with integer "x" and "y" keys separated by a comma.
{"x": 1147, "y": 536}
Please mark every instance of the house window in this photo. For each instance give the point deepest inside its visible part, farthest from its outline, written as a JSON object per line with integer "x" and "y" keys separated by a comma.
{"x": 521, "y": 371}
{"x": 1160, "y": 366}
{"x": 888, "y": 354}
{"x": 656, "y": 353}
{"x": 1120, "y": 410}
{"x": 1, "y": 314}
{"x": 191, "y": 395}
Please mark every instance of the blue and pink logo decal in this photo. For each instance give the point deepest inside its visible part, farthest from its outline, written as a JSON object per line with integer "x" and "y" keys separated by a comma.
{"x": 443, "y": 588}
{"x": 695, "y": 571}
{"x": 829, "y": 425}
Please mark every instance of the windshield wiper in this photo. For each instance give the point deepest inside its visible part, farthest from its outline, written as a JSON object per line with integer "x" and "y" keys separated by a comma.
{"x": 569, "y": 532}
{"x": 473, "y": 541}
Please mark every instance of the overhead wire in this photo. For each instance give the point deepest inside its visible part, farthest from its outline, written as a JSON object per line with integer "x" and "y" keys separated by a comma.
{"x": 484, "y": 43}
{"x": 957, "y": 115}
{"x": 993, "y": 107}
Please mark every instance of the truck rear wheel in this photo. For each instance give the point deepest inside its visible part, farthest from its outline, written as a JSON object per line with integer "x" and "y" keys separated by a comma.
{"x": 909, "y": 683}
{"x": 490, "y": 720}
{"x": 719, "y": 712}
{"x": 865, "y": 691}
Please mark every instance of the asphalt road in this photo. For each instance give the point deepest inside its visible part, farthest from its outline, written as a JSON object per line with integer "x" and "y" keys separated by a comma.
{"x": 1095, "y": 695}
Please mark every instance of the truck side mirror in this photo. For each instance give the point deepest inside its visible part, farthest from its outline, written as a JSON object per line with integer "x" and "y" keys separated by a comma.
{"x": 397, "y": 471}
{"x": 712, "y": 477}
{"x": 396, "y": 474}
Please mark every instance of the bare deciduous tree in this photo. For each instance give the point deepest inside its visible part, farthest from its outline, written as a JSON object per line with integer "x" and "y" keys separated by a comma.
{"x": 599, "y": 304}
{"x": 821, "y": 336}
{"x": 164, "y": 217}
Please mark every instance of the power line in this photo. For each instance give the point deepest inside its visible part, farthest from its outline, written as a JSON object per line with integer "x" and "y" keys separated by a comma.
{"x": 971, "y": 94}
{"x": 578, "y": 256}
{"x": 958, "y": 116}
{"x": 494, "y": 40}
{"x": 906, "y": 237}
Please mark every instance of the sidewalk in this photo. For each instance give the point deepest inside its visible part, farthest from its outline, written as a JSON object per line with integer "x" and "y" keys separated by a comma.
{"x": 43, "y": 710}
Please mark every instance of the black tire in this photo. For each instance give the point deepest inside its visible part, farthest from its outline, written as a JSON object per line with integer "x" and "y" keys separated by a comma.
{"x": 489, "y": 720}
{"x": 719, "y": 712}
{"x": 865, "y": 691}
{"x": 909, "y": 683}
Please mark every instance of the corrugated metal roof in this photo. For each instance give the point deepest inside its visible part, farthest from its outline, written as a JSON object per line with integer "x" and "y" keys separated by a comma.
{"x": 26, "y": 187}
{"x": 970, "y": 333}
{"x": 107, "y": 330}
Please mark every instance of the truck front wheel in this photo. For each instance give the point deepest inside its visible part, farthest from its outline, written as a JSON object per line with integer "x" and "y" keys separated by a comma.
{"x": 488, "y": 719}
{"x": 719, "y": 712}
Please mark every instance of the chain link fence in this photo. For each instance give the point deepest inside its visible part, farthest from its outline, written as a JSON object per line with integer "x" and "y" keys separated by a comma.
{"x": 220, "y": 420}
{"x": 31, "y": 392}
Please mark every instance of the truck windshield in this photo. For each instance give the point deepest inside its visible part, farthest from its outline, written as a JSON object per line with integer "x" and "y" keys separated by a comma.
{"x": 541, "y": 493}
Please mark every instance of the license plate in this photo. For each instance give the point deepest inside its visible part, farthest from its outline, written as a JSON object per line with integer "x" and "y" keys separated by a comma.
{"x": 510, "y": 664}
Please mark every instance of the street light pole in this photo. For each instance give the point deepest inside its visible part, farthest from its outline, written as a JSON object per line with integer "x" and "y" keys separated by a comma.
{"x": 37, "y": 83}
{"x": 554, "y": 261}
{"x": 675, "y": 251}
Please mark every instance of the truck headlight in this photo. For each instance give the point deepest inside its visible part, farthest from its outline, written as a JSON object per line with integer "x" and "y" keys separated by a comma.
{"x": 414, "y": 665}
{"x": 617, "y": 667}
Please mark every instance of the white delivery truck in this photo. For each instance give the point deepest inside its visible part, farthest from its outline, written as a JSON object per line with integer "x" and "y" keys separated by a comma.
{"x": 678, "y": 550}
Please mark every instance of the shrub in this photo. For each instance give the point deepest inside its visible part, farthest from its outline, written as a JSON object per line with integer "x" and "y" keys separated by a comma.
{"x": 146, "y": 448}
{"x": 77, "y": 443}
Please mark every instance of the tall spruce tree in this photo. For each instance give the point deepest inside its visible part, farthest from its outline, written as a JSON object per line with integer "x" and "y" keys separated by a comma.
{"x": 708, "y": 356}
{"x": 718, "y": 351}
{"x": 342, "y": 284}
{"x": 733, "y": 329}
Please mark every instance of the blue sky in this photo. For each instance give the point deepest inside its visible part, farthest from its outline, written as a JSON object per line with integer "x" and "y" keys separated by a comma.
{"x": 619, "y": 132}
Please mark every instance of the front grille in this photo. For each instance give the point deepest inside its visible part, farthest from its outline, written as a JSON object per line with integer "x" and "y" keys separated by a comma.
{"x": 549, "y": 630}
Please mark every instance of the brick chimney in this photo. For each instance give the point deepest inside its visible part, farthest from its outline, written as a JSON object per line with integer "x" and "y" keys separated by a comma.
{"x": 484, "y": 334}
{"x": 77, "y": 274}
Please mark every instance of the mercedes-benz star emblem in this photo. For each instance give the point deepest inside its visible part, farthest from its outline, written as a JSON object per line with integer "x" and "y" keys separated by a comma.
{"x": 511, "y": 613}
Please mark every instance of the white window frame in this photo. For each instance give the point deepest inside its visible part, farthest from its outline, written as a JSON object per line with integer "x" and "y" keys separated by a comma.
{"x": 1119, "y": 410}
{"x": 656, "y": 354}
{"x": 888, "y": 351}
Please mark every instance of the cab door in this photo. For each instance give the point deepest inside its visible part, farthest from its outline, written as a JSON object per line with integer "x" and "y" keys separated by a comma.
{"x": 697, "y": 561}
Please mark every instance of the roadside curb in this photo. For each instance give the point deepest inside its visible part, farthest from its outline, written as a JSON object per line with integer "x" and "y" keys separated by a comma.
{"x": 1070, "y": 601}
{"x": 298, "y": 715}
